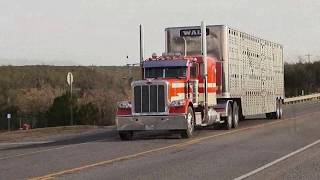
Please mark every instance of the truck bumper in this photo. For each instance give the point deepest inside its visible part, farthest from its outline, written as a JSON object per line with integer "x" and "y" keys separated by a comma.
{"x": 141, "y": 123}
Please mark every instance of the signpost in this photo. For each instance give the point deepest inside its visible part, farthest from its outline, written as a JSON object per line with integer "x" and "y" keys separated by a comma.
{"x": 70, "y": 82}
{"x": 9, "y": 121}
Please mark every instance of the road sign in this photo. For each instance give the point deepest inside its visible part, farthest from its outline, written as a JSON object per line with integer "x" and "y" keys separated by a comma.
{"x": 70, "y": 78}
{"x": 8, "y": 116}
{"x": 70, "y": 81}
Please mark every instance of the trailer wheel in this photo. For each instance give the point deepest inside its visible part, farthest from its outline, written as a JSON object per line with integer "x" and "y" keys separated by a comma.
{"x": 269, "y": 115}
{"x": 235, "y": 115}
{"x": 126, "y": 135}
{"x": 190, "y": 124}
{"x": 278, "y": 113}
{"x": 280, "y": 109}
{"x": 241, "y": 117}
{"x": 228, "y": 119}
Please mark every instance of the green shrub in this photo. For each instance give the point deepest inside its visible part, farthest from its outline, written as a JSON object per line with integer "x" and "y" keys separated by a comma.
{"x": 59, "y": 114}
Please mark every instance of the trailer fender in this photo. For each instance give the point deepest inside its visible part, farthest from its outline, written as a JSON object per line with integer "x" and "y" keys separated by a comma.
{"x": 222, "y": 107}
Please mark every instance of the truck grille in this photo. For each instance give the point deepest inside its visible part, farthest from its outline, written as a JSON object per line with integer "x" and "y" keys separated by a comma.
{"x": 149, "y": 98}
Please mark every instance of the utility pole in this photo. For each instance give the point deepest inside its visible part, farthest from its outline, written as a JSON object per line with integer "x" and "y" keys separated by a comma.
{"x": 130, "y": 66}
{"x": 71, "y": 104}
{"x": 309, "y": 57}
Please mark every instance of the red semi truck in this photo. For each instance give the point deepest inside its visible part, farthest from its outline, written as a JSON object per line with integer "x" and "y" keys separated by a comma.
{"x": 208, "y": 75}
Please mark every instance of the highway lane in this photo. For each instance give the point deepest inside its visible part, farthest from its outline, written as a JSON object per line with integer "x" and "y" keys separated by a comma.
{"x": 13, "y": 149}
{"x": 211, "y": 156}
{"x": 226, "y": 157}
{"x": 305, "y": 165}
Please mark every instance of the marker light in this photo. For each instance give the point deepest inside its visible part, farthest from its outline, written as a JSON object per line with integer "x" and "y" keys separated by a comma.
{"x": 178, "y": 103}
{"x": 124, "y": 105}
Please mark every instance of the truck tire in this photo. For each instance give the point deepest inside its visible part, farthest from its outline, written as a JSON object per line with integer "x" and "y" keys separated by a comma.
{"x": 228, "y": 119}
{"x": 235, "y": 115}
{"x": 241, "y": 117}
{"x": 276, "y": 114}
{"x": 190, "y": 124}
{"x": 280, "y": 108}
{"x": 269, "y": 115}
{"x": 126, "y": 135}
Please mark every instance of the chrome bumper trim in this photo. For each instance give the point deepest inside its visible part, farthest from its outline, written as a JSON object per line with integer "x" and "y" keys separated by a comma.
{"x": 139, "y": 123}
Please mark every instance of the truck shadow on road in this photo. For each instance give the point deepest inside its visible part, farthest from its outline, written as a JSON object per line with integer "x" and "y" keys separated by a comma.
{"x": 112, "y": 136}
{"x": 200, "y": 131}
{"x": 77, "y": 139}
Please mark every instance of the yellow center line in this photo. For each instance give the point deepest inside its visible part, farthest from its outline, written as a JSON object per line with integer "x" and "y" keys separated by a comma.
{"x": 131, "y": 156}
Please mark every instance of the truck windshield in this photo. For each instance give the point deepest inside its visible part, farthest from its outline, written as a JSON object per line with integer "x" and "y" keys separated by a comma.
{"x": 165, "y": 72}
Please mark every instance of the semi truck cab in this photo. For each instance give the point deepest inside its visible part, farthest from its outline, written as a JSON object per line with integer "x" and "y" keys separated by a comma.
{"x": 171, "y": 96}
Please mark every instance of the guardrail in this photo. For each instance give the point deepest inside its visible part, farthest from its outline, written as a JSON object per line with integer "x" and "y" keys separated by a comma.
{"x": 302, "y": 98}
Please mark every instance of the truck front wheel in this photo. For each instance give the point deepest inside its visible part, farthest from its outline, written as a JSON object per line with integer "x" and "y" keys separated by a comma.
{"x": 228, "y": 120}
{"x": 190, "y": 124}
{"x": 126, "y": 135}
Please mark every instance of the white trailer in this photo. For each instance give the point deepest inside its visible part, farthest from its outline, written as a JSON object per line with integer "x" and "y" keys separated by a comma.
{"x": 252, "y": 68}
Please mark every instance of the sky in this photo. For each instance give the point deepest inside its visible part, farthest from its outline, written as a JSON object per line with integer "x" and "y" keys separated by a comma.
{"x": 104, "y": 32}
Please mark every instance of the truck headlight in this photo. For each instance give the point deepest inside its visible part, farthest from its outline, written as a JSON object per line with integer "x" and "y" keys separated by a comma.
{"x": 178, "y": 103}
{"x": 124, "y": 105}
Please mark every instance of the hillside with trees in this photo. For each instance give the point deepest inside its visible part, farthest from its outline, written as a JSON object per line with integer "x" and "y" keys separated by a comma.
{"x": 302, "y": 77}
{"x": 39, "y": 95}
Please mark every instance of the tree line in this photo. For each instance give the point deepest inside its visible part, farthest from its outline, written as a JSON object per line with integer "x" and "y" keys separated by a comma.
{"x": 40, "y": 96}
{"x": 301, "y": 78}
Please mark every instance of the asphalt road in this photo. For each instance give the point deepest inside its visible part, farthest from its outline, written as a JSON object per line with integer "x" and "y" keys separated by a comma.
{"x": 303, "y": 166}
{"x": 211, "y": 154}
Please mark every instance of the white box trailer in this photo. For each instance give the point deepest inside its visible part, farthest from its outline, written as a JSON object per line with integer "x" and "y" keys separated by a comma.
{"x": 252, "y": 68}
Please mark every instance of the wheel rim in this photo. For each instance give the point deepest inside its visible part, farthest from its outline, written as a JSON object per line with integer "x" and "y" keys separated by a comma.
{"x": 278, "y": 110}
{"x": 236, "y": 117}
{"x": 190, "y": 123}
{"x": 229, "y": 119}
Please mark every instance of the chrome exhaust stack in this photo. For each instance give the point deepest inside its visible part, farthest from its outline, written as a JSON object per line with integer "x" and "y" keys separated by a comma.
{"x": 141, "y": 42}
{"x": 205, "y": 66}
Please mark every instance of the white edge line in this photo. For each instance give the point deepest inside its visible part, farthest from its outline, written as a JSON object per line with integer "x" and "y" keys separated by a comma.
{"x": 277, "y": 161}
